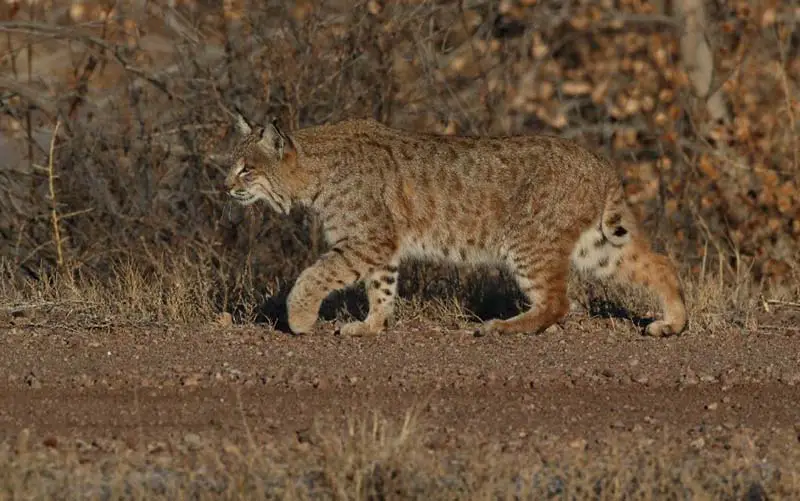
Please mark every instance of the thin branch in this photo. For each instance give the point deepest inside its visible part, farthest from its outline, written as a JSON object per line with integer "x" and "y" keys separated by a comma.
{"x": 53, "y": 201}
{"x": 110, "y": 48}
{"x": 783, "y": 303}
{"x": 787, "y": 95}
{"x": 30, "y": 94}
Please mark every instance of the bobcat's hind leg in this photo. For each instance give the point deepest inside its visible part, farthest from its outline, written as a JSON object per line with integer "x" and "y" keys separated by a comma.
{"x": 617, "y": 249}
{"x": 542, "y": 276}
{"x": 642, "y": 266}
{"x": 381, "y": 292}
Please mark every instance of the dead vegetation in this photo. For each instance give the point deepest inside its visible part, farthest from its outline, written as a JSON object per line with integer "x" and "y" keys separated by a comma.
{"x": 375, "y": 458}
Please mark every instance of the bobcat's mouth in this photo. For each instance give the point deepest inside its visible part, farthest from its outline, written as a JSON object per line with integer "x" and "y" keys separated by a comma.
{"x": 243, "y": 197}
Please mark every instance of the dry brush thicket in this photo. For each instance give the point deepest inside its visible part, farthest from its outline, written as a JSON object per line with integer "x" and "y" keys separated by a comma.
{"x": 137, "y": 88}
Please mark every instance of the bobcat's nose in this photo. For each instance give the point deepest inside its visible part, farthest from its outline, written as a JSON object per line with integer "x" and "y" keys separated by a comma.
{"x": 227, "y": 185}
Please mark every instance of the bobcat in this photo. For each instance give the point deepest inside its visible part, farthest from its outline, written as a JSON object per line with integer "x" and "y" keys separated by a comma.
{"x": 533, "y": 203}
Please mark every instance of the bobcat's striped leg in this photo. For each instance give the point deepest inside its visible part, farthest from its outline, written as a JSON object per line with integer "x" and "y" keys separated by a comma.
{"x": 381, "y": 292}
{"x": 640, "y": 265}
{"x": 343, "y": 265}
{"x": 542, "y": 276}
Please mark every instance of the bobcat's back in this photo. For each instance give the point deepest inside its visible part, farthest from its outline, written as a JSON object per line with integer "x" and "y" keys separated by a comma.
{"x": 456, "y": 197}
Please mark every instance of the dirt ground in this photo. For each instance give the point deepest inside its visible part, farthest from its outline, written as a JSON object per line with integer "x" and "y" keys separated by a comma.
{"x": 584, "y": 382}
{"x": 700, "y": 415}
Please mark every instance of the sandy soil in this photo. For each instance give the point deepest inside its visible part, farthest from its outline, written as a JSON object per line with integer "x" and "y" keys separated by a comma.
{"x": 585, "y": 382}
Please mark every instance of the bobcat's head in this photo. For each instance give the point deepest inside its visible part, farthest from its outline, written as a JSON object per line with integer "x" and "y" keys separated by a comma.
{"x": 259, "y": 162}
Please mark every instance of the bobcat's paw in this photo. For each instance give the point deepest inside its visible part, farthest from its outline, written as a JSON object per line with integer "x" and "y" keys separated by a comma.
{"x": 359, "y": 328}
{"x": 660, "y": 328}
{"x": 302, "y": 323}
{"x": 491, "y": 327}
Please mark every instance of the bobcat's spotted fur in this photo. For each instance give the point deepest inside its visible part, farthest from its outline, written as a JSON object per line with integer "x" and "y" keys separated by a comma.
{"x": 533, "y": 203}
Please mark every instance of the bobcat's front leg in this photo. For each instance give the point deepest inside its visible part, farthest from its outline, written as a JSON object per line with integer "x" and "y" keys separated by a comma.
{"x": 343, "y": 265}
{"x": 381, "y": 292}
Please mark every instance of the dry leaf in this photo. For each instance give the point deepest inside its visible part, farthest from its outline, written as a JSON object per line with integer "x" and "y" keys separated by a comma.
{"x": 600, "y": 91}
{"x": 580, "y": 23}
{"x": 707, "y": 167}
{"x": 538, "y": 48}
{"x": 768, "y": 18}
{"x": 546, "y": 90}
{"x": 576, "y": 88}
{"x": 224, "y": 319}
{"x": 374, "y": 7}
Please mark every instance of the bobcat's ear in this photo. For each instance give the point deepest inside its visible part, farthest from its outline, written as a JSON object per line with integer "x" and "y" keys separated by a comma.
{"x": 276, "y": 142}
{"x": 242, "y": 125}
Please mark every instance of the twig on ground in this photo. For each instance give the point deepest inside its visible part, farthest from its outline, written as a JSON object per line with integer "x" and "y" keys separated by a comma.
{"x": 778, "y": 302}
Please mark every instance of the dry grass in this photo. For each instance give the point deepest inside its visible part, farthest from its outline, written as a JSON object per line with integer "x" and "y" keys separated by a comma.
{"x": 184, "y": 292}
{"x": 374, "y": 458}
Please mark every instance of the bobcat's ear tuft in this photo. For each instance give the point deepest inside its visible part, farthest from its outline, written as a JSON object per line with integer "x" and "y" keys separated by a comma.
{"x": 242, "y": 125}
{"x": 275, "y": 142}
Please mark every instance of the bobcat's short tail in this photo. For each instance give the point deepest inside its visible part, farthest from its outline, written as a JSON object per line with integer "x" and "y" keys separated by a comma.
{"x": 618, "y": 224}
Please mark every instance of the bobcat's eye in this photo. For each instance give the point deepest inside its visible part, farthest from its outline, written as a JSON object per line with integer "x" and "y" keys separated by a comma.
{"x": 241, "y": 168}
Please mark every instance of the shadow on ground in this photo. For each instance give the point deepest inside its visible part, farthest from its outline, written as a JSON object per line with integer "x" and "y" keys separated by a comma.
{"x": 483, "y": 295}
